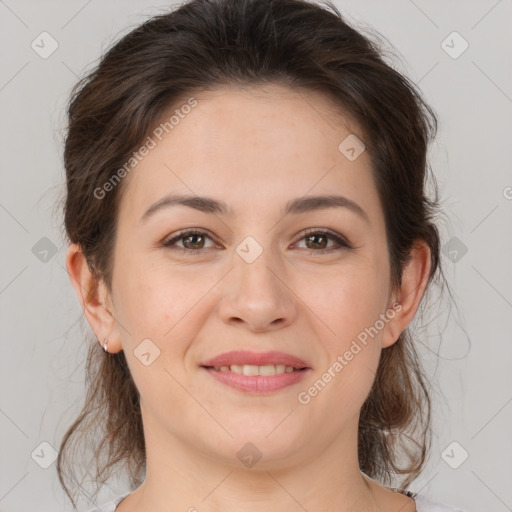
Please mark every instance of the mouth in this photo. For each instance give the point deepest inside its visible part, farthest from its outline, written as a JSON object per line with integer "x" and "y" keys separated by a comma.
{"x": 242, "y": 358}
{"x": 256, "y": 372}
{"x": 252, "y": 370}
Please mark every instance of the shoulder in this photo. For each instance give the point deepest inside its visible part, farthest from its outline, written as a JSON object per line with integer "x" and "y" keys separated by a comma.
{"x": 110, "y": 506}
{"x": 423, "y": 504}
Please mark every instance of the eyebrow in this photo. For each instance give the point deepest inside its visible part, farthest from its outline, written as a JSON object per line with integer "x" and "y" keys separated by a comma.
{"x": 295, "y": 206}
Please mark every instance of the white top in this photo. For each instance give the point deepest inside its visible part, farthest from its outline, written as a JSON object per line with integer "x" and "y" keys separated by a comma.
{"x": 423, "y": 504}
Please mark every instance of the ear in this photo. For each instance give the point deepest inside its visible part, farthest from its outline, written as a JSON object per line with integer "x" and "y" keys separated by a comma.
{"x": 94, "y": 298}
{"x": 408, "y": 296}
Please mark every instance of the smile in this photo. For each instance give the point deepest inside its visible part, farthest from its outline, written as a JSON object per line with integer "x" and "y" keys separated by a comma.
{"x": 250, "y": 369}
{"x": 257, "y": 380}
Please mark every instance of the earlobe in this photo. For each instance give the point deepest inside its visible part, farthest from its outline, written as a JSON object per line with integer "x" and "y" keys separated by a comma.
{"x": 415, "y": 277}
{"x": 93, "y": 296}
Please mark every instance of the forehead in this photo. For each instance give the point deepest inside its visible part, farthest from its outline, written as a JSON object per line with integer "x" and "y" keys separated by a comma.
{"x": 251, "y": 147}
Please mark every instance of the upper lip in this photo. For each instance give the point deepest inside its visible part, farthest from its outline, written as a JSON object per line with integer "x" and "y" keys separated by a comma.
{"x": 244, "y": 357}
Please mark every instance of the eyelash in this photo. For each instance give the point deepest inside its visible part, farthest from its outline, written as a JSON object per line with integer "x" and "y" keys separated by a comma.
{"x": 342, "y": 243}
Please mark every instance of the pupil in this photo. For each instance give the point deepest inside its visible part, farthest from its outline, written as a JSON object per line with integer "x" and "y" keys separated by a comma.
{"x": 318, "y": 236}
{"x": 193, "y": 236}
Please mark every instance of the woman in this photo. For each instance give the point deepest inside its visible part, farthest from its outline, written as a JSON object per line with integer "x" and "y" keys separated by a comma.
{"x": 249, "y": 239}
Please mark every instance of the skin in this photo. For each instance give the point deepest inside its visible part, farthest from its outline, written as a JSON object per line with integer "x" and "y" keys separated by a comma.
{"x": 254, "y": 149}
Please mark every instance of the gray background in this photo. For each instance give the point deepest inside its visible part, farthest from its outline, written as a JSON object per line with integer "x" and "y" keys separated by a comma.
{"x": 43, "y": 332}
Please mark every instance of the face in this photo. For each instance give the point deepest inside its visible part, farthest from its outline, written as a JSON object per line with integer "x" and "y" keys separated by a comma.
{"x": 305, "y": 282}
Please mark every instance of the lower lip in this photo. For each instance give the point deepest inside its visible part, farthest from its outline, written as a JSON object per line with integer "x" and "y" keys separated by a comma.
{"x": 259, "y": 384}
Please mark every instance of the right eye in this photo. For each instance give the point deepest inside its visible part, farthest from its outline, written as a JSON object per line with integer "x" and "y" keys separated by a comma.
{"x": 193, "y": 241}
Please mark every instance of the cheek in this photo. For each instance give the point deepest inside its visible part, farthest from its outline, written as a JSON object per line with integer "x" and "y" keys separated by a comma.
{"x": 151, "y": 303}
{"x": 159, "y": 301}
{"x": 351, "y": 306}
{"x": 157, "y": 304}
{"x": 352, "y": 300}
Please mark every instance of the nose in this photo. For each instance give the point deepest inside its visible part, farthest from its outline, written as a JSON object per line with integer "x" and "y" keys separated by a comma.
{"x": 258, "y": 296}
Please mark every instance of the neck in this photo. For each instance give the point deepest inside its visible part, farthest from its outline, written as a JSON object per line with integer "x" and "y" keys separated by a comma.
{"x": 181, "y": 477}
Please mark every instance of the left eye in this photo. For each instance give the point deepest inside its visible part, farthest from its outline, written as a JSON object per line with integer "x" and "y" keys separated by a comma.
{"x": 193, "y": 241}
{"x": 314, "y": 235}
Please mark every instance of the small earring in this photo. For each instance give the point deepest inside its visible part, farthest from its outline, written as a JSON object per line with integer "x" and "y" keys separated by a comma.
{"x": 105, "y": 345}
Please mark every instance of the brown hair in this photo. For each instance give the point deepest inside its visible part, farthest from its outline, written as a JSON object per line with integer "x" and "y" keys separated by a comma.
{"x": 207, "y": 44}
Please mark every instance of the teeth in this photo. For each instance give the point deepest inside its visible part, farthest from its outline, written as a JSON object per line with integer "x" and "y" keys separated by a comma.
{"x": 251, "y": 370}
{"x": 268, "y": 369}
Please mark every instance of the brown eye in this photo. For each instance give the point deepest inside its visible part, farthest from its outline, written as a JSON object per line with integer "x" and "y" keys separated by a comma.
{"x": 318, "y": 240}
{"x": 192, "y": 241}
